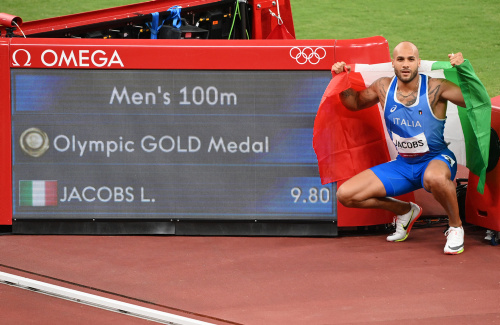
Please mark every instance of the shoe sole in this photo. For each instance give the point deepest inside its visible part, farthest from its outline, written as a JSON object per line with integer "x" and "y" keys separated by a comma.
{"x": 455, "y": 253}
{"x": 409, "y": 227}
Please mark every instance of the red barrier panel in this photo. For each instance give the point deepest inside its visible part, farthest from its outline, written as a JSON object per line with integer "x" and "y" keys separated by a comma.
{"x": 48, "y": 64}
{"x": 174, "y": 54}
{"x": 484, "y": 210}
{"x": 5, "y": 137}
{"x": 362, "y": 50}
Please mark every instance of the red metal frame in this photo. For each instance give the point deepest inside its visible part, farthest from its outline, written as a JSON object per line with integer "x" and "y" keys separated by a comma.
{"x": 104, "y": 15}
{"x": 262, "y": 24}
{"x": 5, "y": 137}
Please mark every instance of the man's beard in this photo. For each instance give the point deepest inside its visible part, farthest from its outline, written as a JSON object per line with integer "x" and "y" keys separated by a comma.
{"x": 406, "y": 79}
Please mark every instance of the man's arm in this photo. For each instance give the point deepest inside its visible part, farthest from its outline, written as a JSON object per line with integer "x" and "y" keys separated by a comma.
{"x": 450, "y": 91}
{"x": 352, "y": 99}
{"x": 358, "y": 100}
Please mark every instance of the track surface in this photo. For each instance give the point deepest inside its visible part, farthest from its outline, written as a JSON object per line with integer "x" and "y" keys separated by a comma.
{"x": 350, "y": 279}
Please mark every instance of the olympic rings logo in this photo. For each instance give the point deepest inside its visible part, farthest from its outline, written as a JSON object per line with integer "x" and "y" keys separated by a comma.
{"x": 307, "y": 54}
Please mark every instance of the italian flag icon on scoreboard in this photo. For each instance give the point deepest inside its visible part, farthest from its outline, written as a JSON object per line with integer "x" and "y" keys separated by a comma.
{"x": 37, "y": 193}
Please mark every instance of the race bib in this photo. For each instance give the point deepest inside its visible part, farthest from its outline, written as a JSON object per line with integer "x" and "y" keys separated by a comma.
{"x": 411, "y": 147}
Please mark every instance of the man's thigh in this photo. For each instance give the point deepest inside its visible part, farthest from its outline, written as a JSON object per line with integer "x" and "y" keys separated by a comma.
{"x": 363, "y": 186}
{"x": 397, "y": 177}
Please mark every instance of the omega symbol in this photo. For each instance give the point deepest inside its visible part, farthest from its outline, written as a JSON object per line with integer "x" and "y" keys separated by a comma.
{"x": 14, "y": 58}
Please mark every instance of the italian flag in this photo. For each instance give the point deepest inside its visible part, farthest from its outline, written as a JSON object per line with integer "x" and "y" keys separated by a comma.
{"x": 37, "y": 193}
{"x": 347, "y": 142}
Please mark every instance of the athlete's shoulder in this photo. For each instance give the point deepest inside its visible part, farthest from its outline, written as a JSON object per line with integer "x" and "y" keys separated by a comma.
{"x": 440, "y": 82}
{"x": 380, "y": 87}
{"x": 383, "y": 82}
{"x": 438, "y": 85}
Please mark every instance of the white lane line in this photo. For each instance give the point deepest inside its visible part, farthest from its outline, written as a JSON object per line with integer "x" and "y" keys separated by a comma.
{"x": 97, "y": 301}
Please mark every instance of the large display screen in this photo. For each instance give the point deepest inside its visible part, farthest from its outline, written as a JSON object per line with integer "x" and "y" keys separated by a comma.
{"x": 178, "y": 144}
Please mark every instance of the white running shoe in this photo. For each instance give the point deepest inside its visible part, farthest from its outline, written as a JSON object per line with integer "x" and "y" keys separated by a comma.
{"x": 405, "y": 222}
{"x": 455, "y": 240}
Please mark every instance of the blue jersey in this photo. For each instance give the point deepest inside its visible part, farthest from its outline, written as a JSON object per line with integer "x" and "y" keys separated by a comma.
{"x": 415, "y": 131}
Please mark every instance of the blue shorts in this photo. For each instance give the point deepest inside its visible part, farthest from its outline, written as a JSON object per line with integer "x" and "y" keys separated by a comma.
{"x": 400, "y": 177}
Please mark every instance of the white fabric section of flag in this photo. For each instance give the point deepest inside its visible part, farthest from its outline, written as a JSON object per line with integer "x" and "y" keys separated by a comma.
{"x": 38, "y": 189}
{"x": 453, "y": 133}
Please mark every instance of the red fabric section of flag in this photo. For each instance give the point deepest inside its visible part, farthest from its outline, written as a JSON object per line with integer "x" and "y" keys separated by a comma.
{"x": 50, "y": 193}
{"x": 347, "y": 142}
{"x": 280, "y": 32}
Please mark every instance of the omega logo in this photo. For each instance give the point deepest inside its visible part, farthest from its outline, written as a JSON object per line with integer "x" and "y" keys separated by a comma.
{"x": 28, "y": 60}
{"x": 71, "y": 58}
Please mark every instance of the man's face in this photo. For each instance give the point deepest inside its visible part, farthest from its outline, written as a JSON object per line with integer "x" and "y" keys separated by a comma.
{"x": 406, "y": 63}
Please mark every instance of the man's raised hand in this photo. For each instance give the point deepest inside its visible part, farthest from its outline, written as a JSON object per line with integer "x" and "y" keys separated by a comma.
{"x": 339, "y": 67}
{"x": 456, "y": 58}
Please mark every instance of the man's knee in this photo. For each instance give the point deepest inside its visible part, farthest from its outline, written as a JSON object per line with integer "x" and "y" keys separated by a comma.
{"x": 342, "y": 195}
{"x": 437, "y": 176}
{"x": 355, "y": 191}
{"x": 436, "y": 182}
{"x": 345, "y": 196}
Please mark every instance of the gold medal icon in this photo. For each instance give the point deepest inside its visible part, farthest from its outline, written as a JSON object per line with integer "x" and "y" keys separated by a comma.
{"x": 34, "y": 142}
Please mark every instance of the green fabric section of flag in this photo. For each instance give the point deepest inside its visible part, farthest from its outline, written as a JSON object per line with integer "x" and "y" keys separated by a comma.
{"x": 26, "y": 193}
{"x": 475, "y": 118}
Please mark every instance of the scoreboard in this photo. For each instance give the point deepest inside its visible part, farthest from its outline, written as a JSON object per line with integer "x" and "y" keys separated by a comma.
{"x": 169, "y": 143}
{"x": 168, "y": 130}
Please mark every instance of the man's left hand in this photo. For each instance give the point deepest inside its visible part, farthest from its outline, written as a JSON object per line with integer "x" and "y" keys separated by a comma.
{"x": 456, "y": 58}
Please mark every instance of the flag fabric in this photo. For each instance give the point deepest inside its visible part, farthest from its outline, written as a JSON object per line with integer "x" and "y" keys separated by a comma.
{"x": 347, "y": 143}
{"x": 280, "y": 32}
{"x": 37, "y": 193}
{"x": 475, "y": 118}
